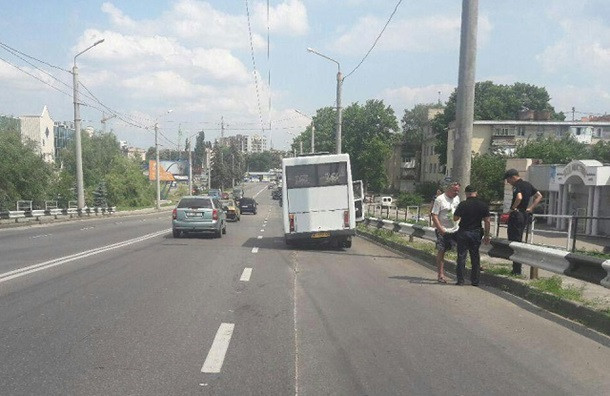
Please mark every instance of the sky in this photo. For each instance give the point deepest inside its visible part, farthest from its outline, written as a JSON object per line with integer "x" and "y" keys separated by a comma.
{"x": 247, "y": 64}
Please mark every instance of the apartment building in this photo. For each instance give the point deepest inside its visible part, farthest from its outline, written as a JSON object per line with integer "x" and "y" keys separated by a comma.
{"x": 40, "y": 130}
{"x": 504, "y": 136}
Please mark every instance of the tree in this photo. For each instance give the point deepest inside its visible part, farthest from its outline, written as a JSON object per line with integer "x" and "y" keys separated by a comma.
{"x": 324, "y": 121}
{"x": 25, "y": 175}
{"x": 553, "y": 151}
{"x": 487, "y": 173}
{"x": 369, "y": 132}
{"x": 601, "y": 151}
{"x": 103, "y": 162}
{"x": 414, "y": 122}
{"x": 262, "y": 162}
{"x": 494, "y": 102}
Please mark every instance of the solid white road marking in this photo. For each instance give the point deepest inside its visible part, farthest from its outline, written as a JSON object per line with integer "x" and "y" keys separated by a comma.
{"x": 63, "y": 260}
{"x": 259, "y": 237}
{"x": 216, "y": 355}
{"x": 40, "y": 236}
{"x": 256, "y": 195}
{"x": 254, "y": 250}
{"x": 245, "y": 276}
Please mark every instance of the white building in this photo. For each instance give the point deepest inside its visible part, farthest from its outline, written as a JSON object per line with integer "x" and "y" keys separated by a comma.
{"x": 39, "y": 129}
{"x": 245, "y": 143}
{"x": 579, "y": 188}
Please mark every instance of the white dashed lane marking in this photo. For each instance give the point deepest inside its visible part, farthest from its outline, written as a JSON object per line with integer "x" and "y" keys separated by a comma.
{"x": 216, "y": 355}
{"x": 245, "y": 276}
{"x": 254, "y": 250}
{"x": 259, "y": 237}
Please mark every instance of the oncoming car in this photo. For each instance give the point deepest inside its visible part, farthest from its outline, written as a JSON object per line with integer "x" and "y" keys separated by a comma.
{"x": 231, "y": 209}
{"x": 199, "y": 214}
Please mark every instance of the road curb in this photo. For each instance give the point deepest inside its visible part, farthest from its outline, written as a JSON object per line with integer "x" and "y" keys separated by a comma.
{"x": 568, "y": 309}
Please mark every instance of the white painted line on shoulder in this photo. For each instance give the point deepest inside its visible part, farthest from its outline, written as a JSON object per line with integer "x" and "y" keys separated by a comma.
{"x": 254, "y": 250}
{"x": 259, "y": 237}
{"x": 216, "y": 355}
{"x": 66, "y": 259}
{"x": 245, "y": 276}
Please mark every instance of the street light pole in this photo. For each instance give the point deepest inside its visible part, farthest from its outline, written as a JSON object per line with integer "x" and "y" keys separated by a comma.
{"x": 339, "y": 91}
{"x": 80, "y": 185}
{"x": 157, "y": 165}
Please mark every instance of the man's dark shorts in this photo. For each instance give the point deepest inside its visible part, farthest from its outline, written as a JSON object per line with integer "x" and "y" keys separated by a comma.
{"x": 445, "y": 242}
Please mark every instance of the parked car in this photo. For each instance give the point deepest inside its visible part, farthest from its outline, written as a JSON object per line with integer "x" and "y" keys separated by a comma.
{"x": 231, "y": 209}
{"x": 199, "y": 214}
{"x": 247, "y": 205}
{"x": 224, "y": 196}
{"x": 216, "y": 193}
{"x": 238, "y": 193}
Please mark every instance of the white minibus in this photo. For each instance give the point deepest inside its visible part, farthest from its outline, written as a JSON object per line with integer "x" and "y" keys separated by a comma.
{"x": 318, "y": 200}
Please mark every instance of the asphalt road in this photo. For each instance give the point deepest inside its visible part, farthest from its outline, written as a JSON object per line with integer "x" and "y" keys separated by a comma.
{"x": 118, "y": 306}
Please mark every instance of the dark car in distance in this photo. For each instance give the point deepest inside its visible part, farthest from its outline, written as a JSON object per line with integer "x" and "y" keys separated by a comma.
{"x": 247, "y": 205}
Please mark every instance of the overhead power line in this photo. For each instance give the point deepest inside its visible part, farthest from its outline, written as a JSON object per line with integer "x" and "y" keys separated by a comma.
{"x": 258, "y": 98}
{"x": 376, "y": 40}
{"x": 8, "y": 48}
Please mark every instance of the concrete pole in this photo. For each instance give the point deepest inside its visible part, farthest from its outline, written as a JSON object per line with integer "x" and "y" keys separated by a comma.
{"x": 462, "y": 156}
{"x": 301, "y": 147}
{"x": 339, "y": 110}
{"x": 188, "y": 147}
{"x": 313, "y": 133}
{"x": 80, "y": 188}
{"x": 157, "y": 165}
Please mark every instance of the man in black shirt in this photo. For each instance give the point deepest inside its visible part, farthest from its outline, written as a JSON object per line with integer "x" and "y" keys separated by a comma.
{"x": 470, "y": 213}
{"x": 520, "y": 208}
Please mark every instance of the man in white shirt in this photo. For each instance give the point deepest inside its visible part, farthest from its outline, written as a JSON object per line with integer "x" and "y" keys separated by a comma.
{"x": 442, "y": 219}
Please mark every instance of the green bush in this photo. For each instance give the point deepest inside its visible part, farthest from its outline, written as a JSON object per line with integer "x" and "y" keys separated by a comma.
{"x": 409, "y": 199}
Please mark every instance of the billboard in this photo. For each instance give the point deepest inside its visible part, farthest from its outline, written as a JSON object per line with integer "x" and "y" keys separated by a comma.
{"x": 163, "y": 174}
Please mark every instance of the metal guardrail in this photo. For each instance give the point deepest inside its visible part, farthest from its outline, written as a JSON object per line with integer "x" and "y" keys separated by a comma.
{"x": 590, "y": 269}
{"x": 39, "y": 214}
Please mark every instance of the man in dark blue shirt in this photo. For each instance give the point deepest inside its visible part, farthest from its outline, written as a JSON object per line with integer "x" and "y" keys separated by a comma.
{"x": 470, "y": 213}
{"x": 520, "y": 209}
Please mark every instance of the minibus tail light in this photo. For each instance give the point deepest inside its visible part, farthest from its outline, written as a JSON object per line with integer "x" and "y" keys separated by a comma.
{"x": 346, "y": 219}
{"x": 215, "y": 214}
{"x": 291, "y": 220}
{"x": 175, "y": 214}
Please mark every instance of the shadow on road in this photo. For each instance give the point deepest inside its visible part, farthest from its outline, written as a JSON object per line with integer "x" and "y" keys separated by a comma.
{"x": 420, "y": 281}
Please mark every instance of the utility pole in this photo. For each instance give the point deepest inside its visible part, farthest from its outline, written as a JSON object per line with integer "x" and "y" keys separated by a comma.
{"x": 188, "y": 147}
{"x": 157, "y": 166}
{"x": 232, "y": 170}
{"x": 313, "y": 133}
{"x": 80, "y": 185}
{"x": 222, "y": 128}
{"x": 573, "y": 112}
{"x": 301, "y": 147}
{"x": 208, "y": 161}
{"x": 104, "y": 119}
{"x": 462, "y": 156}
{"x": 339, "y": 109}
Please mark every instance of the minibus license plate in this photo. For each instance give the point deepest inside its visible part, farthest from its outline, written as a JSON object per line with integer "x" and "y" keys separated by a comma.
{"x": 320, "y": 235}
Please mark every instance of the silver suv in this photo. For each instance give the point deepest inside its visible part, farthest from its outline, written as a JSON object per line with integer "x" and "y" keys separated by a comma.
{"x": 199, "y": 214}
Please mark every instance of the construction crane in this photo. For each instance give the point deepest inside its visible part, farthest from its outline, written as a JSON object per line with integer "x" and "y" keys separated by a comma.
{"x": 104, "y": 119}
